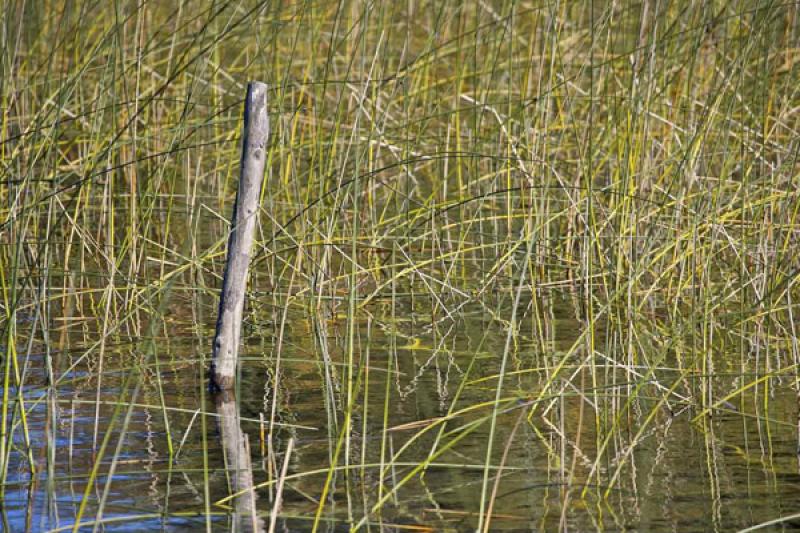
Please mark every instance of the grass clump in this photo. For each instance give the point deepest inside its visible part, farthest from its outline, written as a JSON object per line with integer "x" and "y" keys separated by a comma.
{"x": 520, "y": 264}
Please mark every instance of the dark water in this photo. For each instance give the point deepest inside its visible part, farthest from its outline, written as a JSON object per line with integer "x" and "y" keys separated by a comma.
{"x": 649, "y": 467}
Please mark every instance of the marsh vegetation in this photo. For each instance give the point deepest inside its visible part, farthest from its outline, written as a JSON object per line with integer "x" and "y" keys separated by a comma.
{"x": 520, "y": 265}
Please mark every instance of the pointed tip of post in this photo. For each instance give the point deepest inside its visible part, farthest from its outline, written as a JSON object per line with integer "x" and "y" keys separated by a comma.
{"x": 256, "y": 87}
{"x": 255, "y": 111}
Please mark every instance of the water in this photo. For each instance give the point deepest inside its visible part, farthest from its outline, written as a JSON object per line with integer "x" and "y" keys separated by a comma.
{"x": 734, "y": 469}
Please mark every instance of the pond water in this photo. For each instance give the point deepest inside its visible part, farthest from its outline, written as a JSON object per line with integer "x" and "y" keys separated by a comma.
{"x": 146, "y": 417}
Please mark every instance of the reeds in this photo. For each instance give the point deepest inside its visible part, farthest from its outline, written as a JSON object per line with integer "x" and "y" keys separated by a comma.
{"x": 524, "y": 265}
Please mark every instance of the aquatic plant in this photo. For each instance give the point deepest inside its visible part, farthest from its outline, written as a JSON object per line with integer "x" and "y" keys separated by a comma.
{"x": 525, "y": 265}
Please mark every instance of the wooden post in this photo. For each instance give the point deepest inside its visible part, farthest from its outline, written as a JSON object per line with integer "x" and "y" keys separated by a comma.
{"x": 240, "y": 241}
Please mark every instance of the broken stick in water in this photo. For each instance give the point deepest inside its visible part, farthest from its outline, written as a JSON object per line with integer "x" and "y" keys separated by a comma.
{"x": 240, "y": 241}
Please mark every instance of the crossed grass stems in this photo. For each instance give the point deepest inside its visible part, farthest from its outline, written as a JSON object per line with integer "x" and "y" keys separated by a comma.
{"x": 635, "y": 165}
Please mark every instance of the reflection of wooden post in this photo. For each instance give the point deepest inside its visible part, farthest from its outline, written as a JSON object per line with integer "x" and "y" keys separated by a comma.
{"x": 240, "y": 242}
{"x": 237, "y": 463}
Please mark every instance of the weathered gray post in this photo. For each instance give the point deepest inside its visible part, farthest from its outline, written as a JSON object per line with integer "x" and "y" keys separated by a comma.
{"x": 240, "y": 241}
